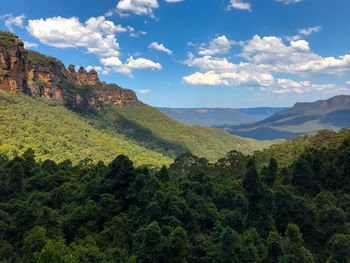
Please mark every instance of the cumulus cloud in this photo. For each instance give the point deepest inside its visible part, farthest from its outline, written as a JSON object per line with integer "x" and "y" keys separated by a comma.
{"x": 308, "y": 31}
{"x": 305, "y": 32}
{"x": 138, "y": 7}
{"x": 262, "y": 58}
{"x": 13, "y": 21}
{"x": 29, "y": 44}
{"x": 239, "y": 4}
{"x": 115, "y": 64}
{"x": 160, "y": 47}
{"x": 219, "y": 45}
{"x": 142, "y": 63}
{"x": 348, "y": 83}
{"x": 96, "y": 68}
{"x": 287, "y": 2}
{"x": 239, "y": 78}
{"x": 5, "y": 15}
{"x": 265, "y": 82}
{"x": 96, "y": 35}
{"x": 144, "y": 91}
{"x": 137, "y": 34}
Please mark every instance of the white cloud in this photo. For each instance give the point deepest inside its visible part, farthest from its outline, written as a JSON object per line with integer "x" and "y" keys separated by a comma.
{"x": 96, "y": 35}
{"x": 96, "y": 68}
{"x": 266, "y": 82}
{"x": 29, "y": 44}
{"x": 111, "y": 61}
{"x": 137, "y": 34}
{"x": 144, "y": 91}
{"x": 219, "y": 45}
{"x": 115, "y": 64}
{"x": 348, "y": 83}
{"x": 308, "y": 31}
{"x": 239, "y": 4}
{"x": 287, "y": 2}
{"x": 13, "y": 21}
{"x": 296, "y": 58}
{"x": 142, "y": 63}
{"x": 305, "y": 32}
{"x": 262, "y": 57}
{"x": 239, "y": 78}
{"x": 5, "y": 15}
{"x": 139, "y": 7}
{"x": 160, "y": 47}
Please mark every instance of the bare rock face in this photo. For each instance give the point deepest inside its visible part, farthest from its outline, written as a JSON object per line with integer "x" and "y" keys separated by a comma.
{"x": 29, "y": 72}
{"x": 72, "y": 75}
{"x": 13, "y": 65}
{"x": 83, "y": 77}
{"x": 92, "y": 78}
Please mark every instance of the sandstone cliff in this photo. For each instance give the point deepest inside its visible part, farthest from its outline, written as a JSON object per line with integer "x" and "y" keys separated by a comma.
{"x": 29, "y": 72}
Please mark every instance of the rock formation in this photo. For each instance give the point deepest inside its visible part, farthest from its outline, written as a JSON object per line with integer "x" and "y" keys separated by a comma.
{"x": 29, "y": 72}
{"x": 83, "y": 77}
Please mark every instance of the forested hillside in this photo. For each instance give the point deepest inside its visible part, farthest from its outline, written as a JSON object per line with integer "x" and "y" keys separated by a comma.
{"x": 142, "y": 132}
{"x": 59, "y": 134}
{"x": 193, "y": 211}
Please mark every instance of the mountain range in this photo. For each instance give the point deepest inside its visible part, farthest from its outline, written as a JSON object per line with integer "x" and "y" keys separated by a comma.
{"x": 62, "y": 114}
{"x": 302, "y": 118}
{"x": 219, "y": 116}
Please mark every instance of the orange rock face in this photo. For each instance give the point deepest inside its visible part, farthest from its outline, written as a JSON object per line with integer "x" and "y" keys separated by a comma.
{"x": 19, "y": 75}
{"x": 46, "y": 77}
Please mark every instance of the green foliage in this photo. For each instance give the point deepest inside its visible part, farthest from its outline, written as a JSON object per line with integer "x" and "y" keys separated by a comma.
{"x": 193, "y": 211}
{"x": 140, "y": 131}
{"x": 60, "y": 134}
{"x": 7, "y": 39}
{"x": 154, "y": 130}
{"x": 55, "y": 252}
{"x": 38, "y": 59}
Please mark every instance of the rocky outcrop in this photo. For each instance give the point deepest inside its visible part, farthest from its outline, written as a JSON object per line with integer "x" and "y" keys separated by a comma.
{"x": 14, "y": 69}
{"x": 83, "y": 77}
{"x": 32, "y": 73}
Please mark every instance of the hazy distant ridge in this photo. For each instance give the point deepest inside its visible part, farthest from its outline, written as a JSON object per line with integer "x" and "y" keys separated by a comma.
{"x": 219, "y": 116}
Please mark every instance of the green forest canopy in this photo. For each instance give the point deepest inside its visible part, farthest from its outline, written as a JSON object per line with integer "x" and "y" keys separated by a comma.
{"x": 193, "y": 211}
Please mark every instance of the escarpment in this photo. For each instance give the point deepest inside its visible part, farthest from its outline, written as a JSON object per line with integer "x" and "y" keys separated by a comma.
{"x": 31, "y": 73}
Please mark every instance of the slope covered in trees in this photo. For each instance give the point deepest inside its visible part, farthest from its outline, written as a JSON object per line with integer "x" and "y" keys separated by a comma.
{"x": 141, "y": 132}
{"x": 193, "y": 211}
{"x": 60, "y": 134}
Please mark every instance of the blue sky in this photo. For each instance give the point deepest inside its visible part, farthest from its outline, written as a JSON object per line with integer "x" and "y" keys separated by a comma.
{"x": 197, "y": 53}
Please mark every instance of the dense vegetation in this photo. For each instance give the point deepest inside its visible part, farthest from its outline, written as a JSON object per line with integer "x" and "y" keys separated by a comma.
{"x": 153, "y": 130}
{"x": 38, "y": 59}
{"x": 193, "y": 211}
{"x": 303, "y": 118}
{"x": 59, "y": 134}
{"x": 141, "y": 132}
{"x": 7, "y": 39}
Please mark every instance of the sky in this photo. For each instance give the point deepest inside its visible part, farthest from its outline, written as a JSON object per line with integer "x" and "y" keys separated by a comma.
{"x": 197, "y": 53}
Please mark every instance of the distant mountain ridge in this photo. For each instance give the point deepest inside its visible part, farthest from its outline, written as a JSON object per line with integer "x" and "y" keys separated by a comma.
{"x": 219, "y": 116}
{"x": 302, "y": 118}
